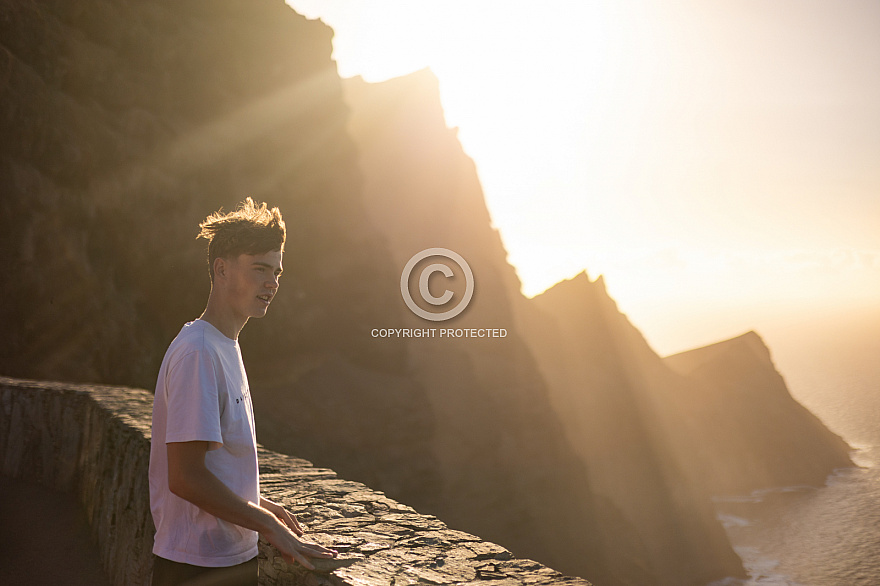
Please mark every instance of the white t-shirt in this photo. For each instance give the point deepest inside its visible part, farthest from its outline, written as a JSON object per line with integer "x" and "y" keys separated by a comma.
{"x": 202, "y": 394}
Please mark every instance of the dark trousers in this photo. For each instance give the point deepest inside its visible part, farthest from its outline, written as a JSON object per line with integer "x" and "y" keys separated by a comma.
{"x": 168, "y": 573}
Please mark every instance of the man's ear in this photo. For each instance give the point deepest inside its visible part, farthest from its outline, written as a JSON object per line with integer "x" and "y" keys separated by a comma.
{"x": 219, "y": 267}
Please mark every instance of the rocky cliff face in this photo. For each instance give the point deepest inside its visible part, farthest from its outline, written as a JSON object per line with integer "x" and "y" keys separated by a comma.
{"x": 609, "y": 412}
{"x": 125, "y": 124}
{"x": 755, "y": 434}
{"x": 661, "y": 437}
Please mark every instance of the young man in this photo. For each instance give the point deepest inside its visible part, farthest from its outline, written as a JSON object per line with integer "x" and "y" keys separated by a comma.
{"x": 204, "y": 479}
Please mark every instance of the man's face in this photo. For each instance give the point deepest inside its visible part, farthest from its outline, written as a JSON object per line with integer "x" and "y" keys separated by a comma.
{"x": 252, "y": 281}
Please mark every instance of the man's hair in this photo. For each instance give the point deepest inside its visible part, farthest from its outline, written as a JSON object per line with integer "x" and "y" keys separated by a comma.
{"x": 250, "y": 229}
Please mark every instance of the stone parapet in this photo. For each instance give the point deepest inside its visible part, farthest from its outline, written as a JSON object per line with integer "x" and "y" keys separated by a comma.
{"x": 95, "y": 441}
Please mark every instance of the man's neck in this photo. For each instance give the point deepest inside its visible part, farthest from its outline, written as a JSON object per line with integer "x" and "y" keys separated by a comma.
{"x": 226, "y": 322}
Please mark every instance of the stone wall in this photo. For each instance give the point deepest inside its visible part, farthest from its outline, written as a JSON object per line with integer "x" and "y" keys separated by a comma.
{"x": 94, "y": 441}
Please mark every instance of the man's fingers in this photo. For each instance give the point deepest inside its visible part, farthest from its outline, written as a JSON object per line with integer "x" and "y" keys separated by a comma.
{"x": 297, "y": 528}
{"x": 315, "y": 551}
{"x": 294, "y": 525}
{"x": 290, "y": 521}
{"x": 299, "y": 558}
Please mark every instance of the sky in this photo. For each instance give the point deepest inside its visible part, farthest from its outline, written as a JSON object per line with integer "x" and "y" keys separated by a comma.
{"x": 718, "y": 162}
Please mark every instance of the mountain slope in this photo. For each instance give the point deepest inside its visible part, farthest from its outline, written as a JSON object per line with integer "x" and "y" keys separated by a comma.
{"x": 756, "y": 434}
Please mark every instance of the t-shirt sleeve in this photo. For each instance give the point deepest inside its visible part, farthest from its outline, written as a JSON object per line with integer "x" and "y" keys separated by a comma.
{"x": 193, "y": 403}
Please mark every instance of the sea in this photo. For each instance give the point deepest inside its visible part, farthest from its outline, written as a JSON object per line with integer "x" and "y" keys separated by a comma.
{"x": 829, "y": 535}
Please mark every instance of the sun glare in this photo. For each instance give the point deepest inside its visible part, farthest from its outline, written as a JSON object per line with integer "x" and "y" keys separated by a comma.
{"x": 693, "y": 154}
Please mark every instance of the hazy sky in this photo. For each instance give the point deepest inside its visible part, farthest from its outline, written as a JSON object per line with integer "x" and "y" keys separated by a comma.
{"x": 718, "y": 162}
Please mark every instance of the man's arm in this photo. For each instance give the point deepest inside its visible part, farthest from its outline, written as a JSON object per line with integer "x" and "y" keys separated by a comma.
{"x": 189, "y": 479}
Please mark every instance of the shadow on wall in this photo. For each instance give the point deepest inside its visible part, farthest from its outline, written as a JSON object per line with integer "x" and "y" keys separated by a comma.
{"x": 46, "y": 538}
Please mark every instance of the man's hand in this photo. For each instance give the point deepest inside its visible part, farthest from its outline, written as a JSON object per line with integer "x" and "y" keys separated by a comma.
{"x": 294, "y": 550}
{"x": 189, "y": 479}
{"x": 285, "y": 516}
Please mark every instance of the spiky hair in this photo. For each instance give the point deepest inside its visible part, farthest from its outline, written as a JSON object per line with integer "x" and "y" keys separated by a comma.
{"x": 250, "y": 229}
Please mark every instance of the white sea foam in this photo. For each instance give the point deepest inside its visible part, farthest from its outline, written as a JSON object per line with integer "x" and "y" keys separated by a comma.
{"x": 747, "y": 498}
{"x": 763, "y": 571}
{"x": 729, "y": 581}
{"x": 731, "y": 521}
{"x": 863, "y": 455}
{"x": 758, "y": 496}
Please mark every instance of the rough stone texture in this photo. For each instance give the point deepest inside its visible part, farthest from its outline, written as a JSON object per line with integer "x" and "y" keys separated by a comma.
{"x": 95, "y": 442}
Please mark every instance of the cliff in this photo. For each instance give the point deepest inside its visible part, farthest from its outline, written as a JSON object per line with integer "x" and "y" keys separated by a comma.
{"x": 669, "y": 434}
{"x": 755, "y": 434}
{"x": 124, "y": 124}
{"x": 590, "y": 355}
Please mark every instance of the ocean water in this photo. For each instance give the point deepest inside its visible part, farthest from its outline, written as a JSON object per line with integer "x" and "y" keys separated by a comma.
{"x": 805, "y": 536}
{"x": 826, "y": 536}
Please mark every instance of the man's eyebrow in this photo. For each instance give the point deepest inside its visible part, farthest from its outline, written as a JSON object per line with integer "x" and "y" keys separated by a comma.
{"x": 267, "y": 265}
